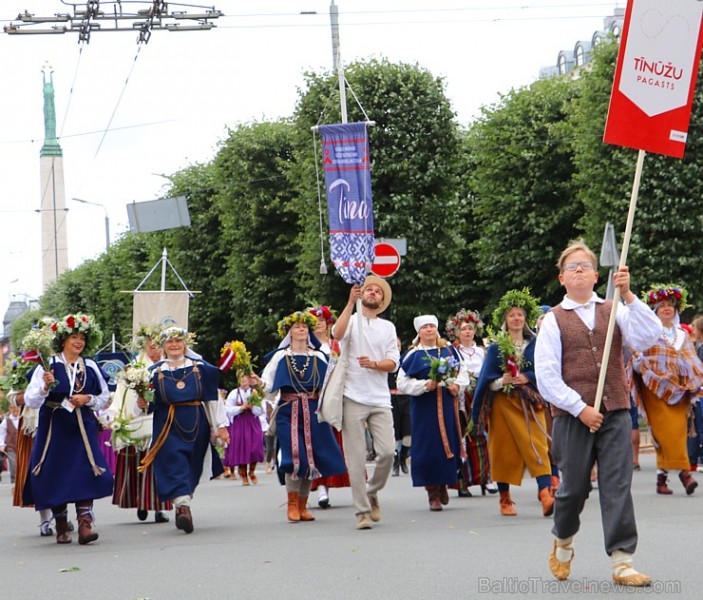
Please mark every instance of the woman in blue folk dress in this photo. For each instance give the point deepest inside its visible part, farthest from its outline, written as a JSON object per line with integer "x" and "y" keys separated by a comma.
{"x": 434, "y": 413}
{"x": 309, "y": 450}
{"x": 183, "y": 386}
{"x": 66, "y": 465}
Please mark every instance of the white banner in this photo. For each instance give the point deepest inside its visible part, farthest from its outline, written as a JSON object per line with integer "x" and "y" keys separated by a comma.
{"x": 160, "y": 308}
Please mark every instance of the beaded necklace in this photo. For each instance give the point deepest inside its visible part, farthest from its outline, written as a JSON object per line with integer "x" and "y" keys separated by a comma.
{"x": 297, "y": 375}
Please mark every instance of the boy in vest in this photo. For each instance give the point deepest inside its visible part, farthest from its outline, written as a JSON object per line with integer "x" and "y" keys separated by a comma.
{"x": 568, "y": 357}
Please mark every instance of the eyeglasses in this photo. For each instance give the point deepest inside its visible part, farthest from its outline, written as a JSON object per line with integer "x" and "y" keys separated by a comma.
{"x": 584, "y": 265}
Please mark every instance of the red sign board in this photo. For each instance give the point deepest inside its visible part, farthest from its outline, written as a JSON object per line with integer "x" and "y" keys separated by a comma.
{"x": 387, "y": 260}
{"x": 655, "y": 79}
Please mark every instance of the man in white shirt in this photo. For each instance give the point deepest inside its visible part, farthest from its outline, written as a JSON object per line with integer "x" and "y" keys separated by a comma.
{"x": 570, "y": 348}
{"x": 367, "y": 399}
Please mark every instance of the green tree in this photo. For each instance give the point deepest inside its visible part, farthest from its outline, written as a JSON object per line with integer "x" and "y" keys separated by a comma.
{"x": 522, "y": 195}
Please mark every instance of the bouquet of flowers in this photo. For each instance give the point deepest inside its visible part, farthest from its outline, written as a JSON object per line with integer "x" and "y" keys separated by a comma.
{"x": 136, "y": 376}
{"x": 38, "y": 345}
{"x": 512, "y": 361}
{"x": 122, "y": 433}
{"x": 235, "y": 354}
{"x": 443, "y": 370}
{"x": 16, "y": 379}
{"x": 256, "y": 396}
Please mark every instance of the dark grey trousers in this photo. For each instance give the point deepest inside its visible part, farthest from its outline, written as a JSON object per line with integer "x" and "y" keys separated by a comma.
{"x": 576, "y": 450}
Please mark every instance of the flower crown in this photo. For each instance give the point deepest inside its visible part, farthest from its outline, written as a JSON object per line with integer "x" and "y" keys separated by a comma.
{"x": 463, "y": 317}
{"x": 77, "y": 323}
{"x": 659, "y": 292}
{"x": 298, "y": 316}
{"x": 324, "y": 312}
{"x": 517, "y": 299}
{"x": 176, "y": 333}
{"x": 144, "y": 334}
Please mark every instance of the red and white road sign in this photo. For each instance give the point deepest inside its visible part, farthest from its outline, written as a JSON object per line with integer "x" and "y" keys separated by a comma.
{"x": 387, "y": 260}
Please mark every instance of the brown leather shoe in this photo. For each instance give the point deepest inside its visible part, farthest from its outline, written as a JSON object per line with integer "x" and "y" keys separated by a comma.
{"x": 434, "y": 497}
{"x": 303, "y": 509}
{"x": 62, "y": 534}
{"x": 507, "y": 506}
{"x": 443, "y": 495}
{"x": 293, "y": 507}
{"x": 560, "y": 570}
{"x": 547, "y": 500}
{"x": 689, "y": 483}
{"x": 86, "y": 530}
{"x": 184, "y": 519}
{"x": 375, "y": 514}
{"x": 662, "y": 487}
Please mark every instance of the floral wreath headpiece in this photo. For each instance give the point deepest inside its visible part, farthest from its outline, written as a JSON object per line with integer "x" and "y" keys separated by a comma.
{"x": 298, "y": 316}
{"x": 323, "y": 312}
{"x": 176, "y": 333}
{"x": 77, "y": 323}
{"x": 517, "y": 299}
{"x": 659, "y": 292}
{"x": 463, "y": 317}
{"x": 144, "y": 334}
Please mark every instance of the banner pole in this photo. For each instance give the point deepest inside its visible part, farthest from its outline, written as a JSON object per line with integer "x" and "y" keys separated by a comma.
{"x": 616, "y": 295}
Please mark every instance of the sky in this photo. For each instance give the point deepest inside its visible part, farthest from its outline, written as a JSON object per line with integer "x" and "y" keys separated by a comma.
{"x": 128, "y": 114}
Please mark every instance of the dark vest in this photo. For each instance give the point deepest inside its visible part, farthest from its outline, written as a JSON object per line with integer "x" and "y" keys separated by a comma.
{"x": 581, "y": 356}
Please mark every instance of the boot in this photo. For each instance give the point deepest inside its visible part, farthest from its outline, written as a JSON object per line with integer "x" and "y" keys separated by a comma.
{"x": 688, "y": 482}
{"x": 303, "y": 509}
{"x": 184, "y": 518}
{"x": 443, "y": 495}
{"x": 404, "y": 451}
{"x": 507, "y": 506}
{"x": 662, "y": 487}
{"x": 293, "y": 507}
{"x": 396, "y": 466}
{"x": 252, "y": 475}
{"x": 433, "y": 495}
{"x": 62, "y": 534}
{"x": 243, "y": 475}
{"x": 86, "y": 529}
{"x": 547, "y": 500}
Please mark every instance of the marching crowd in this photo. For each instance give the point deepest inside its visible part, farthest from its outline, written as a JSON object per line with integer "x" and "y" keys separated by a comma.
{"x": 462, "y": 413}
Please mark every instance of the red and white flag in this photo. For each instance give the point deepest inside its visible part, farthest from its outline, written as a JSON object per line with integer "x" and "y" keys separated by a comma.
{"x": 655, "y": 78}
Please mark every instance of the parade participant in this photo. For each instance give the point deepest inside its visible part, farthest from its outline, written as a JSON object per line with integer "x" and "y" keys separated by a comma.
{"x": 183, "y": 384}
{"x": 308, "y": 448}
{"x": 507, "y": 403}
{"x": 246, "y": 447}
{"x": 400, "y": 408}
{"x": 462, "y": 329}
{"x": 325, "y": 319}
{"x": 434, "y": 410}
{"x": 8, "y": 438}
{"x": 134, "y": 488}
{"x": 570, "y": 348}
{"x": 66, "y": 463}
{"x": 366, "y": 401}
{"x": 667, "y": 378}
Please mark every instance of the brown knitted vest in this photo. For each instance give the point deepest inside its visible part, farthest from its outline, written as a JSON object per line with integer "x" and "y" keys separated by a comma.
{"x": 582, "y": 352}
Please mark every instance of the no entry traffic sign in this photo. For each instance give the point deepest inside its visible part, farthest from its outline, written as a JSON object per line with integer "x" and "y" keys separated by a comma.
{"x": 387, "y": 260}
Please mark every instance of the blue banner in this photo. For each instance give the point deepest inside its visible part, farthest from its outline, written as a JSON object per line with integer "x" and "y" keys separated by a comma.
{"x": 347, "y": 168}
{"x": 113, "y": 364}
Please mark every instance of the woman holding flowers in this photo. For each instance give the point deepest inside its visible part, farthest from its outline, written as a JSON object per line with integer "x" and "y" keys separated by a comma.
{"x": 66, "y": 463}
{"x": 668, "y": 379}
{"x": 507, "y": 403}
{"x": 462, "y": 330}
{"x": 182, "y": 385}
{"x": 308, "y": 448}
{"x": 428, "y": 373}
{"x": 131, "y": 433}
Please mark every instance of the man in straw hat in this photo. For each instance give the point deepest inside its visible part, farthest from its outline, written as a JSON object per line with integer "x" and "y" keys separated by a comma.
{"x": 367, "y": 400}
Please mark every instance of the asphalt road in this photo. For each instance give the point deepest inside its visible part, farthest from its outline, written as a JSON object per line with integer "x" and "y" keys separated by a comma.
{"x": 243, "y": 547}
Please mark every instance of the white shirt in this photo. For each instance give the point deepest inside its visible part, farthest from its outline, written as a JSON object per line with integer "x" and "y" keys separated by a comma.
{"x": 369, "y": 386}
{"x": 640, "y": 329}
{"x": 36, "y": 394}
{"x": 235, "y": 399}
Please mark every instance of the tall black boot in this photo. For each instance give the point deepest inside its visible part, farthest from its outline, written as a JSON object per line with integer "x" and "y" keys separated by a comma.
{"x": 404, "y": 452}
{"x": 396, "y": 466}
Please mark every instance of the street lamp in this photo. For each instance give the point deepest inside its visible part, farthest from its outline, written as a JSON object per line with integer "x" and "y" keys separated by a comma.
{"x": 107, "y": 218}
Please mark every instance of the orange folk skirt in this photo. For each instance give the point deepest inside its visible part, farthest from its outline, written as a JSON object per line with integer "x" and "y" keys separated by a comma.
{"x": 669, "y": 425}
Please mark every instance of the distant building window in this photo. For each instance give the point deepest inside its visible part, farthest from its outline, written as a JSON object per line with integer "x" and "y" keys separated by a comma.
{"x": 615, "y": 30}
{"x": 580, "y": 56}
